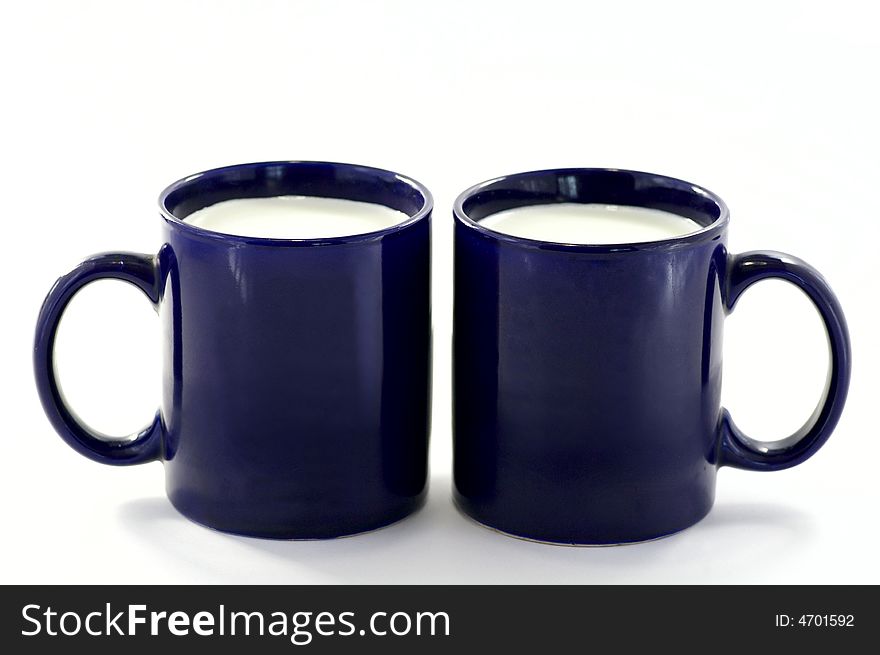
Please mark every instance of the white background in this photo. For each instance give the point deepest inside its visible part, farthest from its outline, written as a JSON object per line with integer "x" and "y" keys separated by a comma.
{"x": 774, "y": 106}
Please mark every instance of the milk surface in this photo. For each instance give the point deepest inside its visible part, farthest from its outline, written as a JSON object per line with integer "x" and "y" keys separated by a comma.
{"x": 590, "y": 223}
{"x": 295, "y": 217}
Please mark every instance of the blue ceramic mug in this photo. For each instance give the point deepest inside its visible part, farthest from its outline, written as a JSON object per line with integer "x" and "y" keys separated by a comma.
{"x": 588, "y": 377}
{"x": 296, "y": 373}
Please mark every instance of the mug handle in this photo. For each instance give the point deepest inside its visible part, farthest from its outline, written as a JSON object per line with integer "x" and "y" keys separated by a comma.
{"x": 144, "y": 446}
{"x": 740, "y": 451}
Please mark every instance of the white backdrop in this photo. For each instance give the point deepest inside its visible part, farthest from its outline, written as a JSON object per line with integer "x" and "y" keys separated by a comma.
{"x": 774, "y": 105}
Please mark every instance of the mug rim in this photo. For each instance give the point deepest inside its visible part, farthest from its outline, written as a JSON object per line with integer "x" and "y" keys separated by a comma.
{"x": 707, "y": 233}
{"x": 427, "y": 205}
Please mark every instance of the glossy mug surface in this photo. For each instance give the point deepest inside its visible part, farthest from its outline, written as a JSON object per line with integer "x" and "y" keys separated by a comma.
{"x": 587, "y": 378}
{"x": 296, "y": 373}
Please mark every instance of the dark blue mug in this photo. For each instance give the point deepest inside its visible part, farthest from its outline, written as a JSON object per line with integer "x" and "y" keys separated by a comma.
{"x": 297, "y": 372}
{"x": 587, "y": 378}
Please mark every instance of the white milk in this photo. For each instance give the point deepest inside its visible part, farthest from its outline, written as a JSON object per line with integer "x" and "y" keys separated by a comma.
{"x": 295, "y": 217}
{"x": 589, "y": 223}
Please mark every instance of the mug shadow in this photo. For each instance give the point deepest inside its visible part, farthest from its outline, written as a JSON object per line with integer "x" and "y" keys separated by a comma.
{"x": 438, "y": 545}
